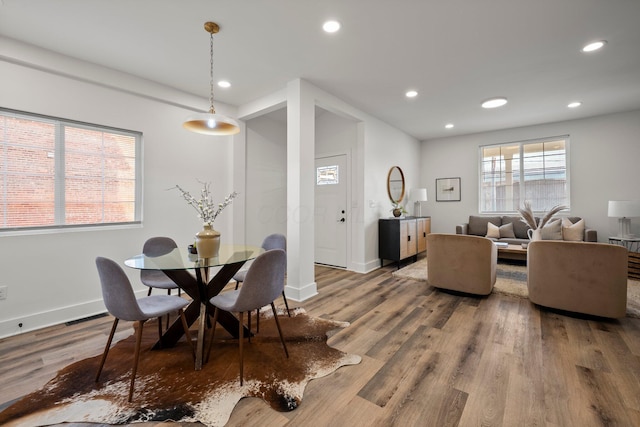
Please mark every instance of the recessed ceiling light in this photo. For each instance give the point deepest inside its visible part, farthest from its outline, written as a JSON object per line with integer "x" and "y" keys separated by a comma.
{"x": 591, "y": 47}
{"x": 494, "y": 102}
{"x": 224, "y": 83}
{"x": 331, "y": 26}
{"x": 574, "y": 104}
{"x": 411, "y": 94}
{"x": 449, "y": 125}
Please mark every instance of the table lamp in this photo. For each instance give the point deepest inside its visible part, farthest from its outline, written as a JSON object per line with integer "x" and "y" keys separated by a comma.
{"x": 624, "y": 210}
{"x": 418, "y": 195}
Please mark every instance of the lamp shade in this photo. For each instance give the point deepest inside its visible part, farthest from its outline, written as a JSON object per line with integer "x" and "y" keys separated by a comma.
{"x": 419, "y": 194}
{"x": 624, "y": 208}
{"x": 211, "y": 124}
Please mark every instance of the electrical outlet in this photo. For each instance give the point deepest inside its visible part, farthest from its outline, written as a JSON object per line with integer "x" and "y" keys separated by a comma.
{"x": 3, "y": 292}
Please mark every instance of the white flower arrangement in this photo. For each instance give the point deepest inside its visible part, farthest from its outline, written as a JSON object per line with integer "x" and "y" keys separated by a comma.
{"x": 207, "y": 209}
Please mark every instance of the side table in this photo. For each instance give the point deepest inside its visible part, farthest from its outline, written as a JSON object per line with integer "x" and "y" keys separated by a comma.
{"x": 633, "y": 246}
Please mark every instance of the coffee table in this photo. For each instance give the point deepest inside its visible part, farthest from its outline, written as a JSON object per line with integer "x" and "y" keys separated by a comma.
{"x": 514, "y": 252}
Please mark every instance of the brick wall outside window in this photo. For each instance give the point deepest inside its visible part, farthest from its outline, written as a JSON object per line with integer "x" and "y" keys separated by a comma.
{"x": 56, "y": 173}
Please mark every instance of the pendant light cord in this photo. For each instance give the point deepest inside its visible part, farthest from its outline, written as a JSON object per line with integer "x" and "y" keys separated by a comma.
{"x": 211, "y": 109}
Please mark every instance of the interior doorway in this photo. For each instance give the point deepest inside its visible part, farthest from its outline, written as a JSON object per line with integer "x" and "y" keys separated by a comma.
{"x": 331, "y": 213}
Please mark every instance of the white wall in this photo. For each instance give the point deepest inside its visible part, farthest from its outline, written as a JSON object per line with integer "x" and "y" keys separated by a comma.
{"x": 604, "y": 155}
{"x": 52, "y": 277}
{"x": 334, "y": 134}
{"x": 385, "y": 147}
{"x": 266, "y": 179}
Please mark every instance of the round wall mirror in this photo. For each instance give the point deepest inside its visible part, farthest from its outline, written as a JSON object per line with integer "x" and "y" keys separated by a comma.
{"x": 395, "y": 184}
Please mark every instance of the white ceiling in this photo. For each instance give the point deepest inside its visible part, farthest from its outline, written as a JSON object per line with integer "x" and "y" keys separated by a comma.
{"x": 455, "y": 53}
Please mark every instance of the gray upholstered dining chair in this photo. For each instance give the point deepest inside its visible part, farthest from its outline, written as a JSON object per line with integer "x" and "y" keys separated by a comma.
{"x": 263, "y": 283}
{"x": 272, "y": 241}
{"x": 121, "y": 303}
{"x": 156, "y": 246}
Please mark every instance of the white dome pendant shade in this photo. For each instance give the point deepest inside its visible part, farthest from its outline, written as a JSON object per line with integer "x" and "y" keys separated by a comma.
{"x": 211, "y": 123}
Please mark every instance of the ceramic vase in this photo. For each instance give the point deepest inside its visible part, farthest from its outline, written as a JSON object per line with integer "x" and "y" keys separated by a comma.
{"x": 534, "y": 234}
{"x": 208, "y": 242}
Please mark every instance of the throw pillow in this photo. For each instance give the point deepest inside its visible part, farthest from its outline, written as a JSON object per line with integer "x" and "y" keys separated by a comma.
{"x": 572, "y": 232}
{"x": 552, "y": 231}
{"x": 519, "y": 227}
{"x": 478, "y": 224}
{"x": 506, "y": 230}
{"x": 493, "y": 231}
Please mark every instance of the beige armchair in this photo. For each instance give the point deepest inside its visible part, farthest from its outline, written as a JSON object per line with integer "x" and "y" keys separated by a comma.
{"x": 589, "y": 278}
{"x": 461, "y": 263}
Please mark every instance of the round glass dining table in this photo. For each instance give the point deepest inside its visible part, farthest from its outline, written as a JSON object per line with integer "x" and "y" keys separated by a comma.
{"x": 177, "y": 265}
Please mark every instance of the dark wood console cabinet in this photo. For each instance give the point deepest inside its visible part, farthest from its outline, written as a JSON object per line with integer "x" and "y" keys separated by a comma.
{"x": 401, "y": 238}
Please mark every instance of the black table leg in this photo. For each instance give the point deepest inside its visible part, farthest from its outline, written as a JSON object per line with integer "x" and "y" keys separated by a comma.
{"x": 198, "y": 291}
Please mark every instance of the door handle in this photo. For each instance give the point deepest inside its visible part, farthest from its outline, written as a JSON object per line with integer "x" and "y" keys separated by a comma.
{"x": 341, "y": 220}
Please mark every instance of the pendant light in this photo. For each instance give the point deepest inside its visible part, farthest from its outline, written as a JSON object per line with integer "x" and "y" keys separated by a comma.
{"x": 211, "y": 123}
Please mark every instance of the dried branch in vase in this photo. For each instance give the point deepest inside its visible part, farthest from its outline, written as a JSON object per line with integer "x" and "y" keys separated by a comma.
{"x": 529, "y": 218}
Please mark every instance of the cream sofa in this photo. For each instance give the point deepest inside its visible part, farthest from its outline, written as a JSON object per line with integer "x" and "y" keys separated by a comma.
{"x": 589, "y": 278}
{"x": 461, "y": 263}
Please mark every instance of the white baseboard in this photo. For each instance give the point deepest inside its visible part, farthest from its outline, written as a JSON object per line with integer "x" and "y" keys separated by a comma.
{"x": 34, "y": 321}
{"x": 369, "y": 266}
{"x": 301, "y": 294}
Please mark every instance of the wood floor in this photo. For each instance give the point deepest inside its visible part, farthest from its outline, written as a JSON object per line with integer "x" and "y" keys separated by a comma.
{"x": 429, "y": 358}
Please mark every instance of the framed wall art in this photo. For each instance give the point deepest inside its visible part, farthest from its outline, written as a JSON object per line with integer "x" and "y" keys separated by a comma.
{"x": 447, "y": 189}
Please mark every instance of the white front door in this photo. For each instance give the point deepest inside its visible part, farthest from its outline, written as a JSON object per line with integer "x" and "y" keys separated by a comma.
{"x": 331, "y": 211}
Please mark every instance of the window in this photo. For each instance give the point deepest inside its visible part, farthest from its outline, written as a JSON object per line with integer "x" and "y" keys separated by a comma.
{"x": 58, "y": 173}
{"x": 327, "y": 175}
{"x": 534, "y": 171}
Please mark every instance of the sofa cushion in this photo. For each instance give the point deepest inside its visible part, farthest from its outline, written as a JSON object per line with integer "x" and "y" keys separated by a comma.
{"x": 571, "y": 231}
{"x": 478, "y": 224}
{"x": 519, "y": 227}
{"x": 502, "y": 232}
{"x": 552, "y": 230}
{"x": 506, "y": 231}
{"x": 493, "y": 231}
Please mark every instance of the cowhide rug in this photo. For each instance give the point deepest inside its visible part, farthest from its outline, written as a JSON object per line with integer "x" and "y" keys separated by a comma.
{"x": 168, "y": 388}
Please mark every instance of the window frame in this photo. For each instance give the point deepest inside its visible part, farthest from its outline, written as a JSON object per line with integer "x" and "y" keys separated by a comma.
{"x": 60, "y": 176}
{"x": 522, "y": 188}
